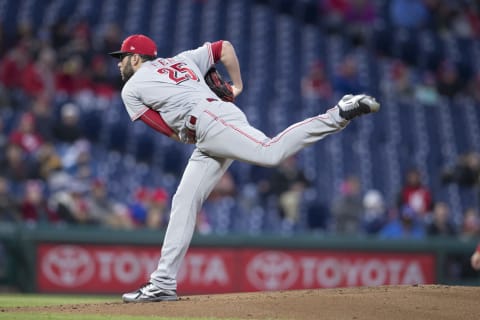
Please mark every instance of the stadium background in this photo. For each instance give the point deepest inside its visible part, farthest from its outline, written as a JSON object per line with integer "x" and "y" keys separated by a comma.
{"x": 419, "y": 58}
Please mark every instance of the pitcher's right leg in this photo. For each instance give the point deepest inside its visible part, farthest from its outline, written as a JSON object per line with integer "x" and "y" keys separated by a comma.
{"x": 200, "y": 176}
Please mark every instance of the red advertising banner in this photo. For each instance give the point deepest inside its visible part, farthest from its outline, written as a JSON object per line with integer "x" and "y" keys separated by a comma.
{"x": 292, "y": 269}
{"x": 79, "y": 268}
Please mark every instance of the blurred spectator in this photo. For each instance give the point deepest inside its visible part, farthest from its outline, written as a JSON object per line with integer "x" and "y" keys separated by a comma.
{"x": 346, "y": 78}
{"x": 9, "y": 208}
{"x": 375, "y": 213}
{"x": 463, "y": 20}
{"x": 473, "y": 87}
{"x": 334, "y": 13}
{"x": 202, "y": 226}
{"x": 449, "y": 82}
{"x": 408, "y": 13}
{"x": 287, "y": 183}
{"x": 72, "y": 77}
{"x": 68, "y": 128}
{"x": 416, "y": 195}
{"x": 13, "y": 65}
{"x": 110, "y": 38}
{"x": 108, "y": 42}
{"x": 441, "y": 224}
{"x": 441, "y": 14}
{"x": 77, "y": 161}
{"x": 315, "y": 85}
{"x": 360, "y": 17}
{"x": 402, "y": 79}
{"x": 43, "y": 115}
{"x": 466, "y": 172}
{"x": 470, "y": 224}
{"x": 426, "y": 91}
{"x": 220, "y": 206}
{"x": 139, "y": 206}
{"x": 352, "y": 18}
{"x": 71, "y": 204}
{"x": 347, "y": 210}
{"x": 38, "y": 79}
{"x": 455, "y": 18}
{"x": 101, "y": 82}
{"x": 472, "y": 15}
{"x": 48, "y": 161}
{"x": 224, "y": 188}
{"x": 106, "y": 211}
{"x": 34, "y": 207}
{"x": 404, "y": 226}
{"x": 16, "y": 166}
{"x": 25, "y": 135}
{"x": 79, "y": 44}
{"x": 157, "y": 214}
{"x": 150, "y": 208}
{"x": 59, "y": 33}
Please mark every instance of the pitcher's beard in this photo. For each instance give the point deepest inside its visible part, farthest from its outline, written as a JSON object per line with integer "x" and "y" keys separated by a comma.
{"x": 127, "y": 72}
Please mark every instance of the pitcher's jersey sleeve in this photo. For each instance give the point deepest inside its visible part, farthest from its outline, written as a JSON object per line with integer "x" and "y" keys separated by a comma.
{"x": 202, "y": 57}
{"x": 135, "y": 107}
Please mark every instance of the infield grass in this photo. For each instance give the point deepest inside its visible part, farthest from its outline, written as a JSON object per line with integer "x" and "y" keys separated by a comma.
{"x": 11, "y": 301}
{"x": 35, "y": 300}
{"x": 50, "y": 316}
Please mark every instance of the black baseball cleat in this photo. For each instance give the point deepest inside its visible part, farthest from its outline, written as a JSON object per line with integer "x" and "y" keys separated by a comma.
{"x": 150, "y": 293}
{"x": 352, "y": 106}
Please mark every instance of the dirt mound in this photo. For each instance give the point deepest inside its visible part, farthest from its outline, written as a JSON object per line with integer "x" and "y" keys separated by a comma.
{"x": 387, "y": 302}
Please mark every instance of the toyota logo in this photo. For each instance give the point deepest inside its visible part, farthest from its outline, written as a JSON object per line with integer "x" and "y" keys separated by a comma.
{"x": 272, "y": 270}
{"x": 68, "y": 266}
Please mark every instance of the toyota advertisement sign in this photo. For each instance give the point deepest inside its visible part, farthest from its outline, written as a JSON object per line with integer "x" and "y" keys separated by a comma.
{"x": 80, "y": 268}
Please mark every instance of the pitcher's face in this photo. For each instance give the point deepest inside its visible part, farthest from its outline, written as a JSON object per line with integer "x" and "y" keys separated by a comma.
{"x": 125, "y": 66}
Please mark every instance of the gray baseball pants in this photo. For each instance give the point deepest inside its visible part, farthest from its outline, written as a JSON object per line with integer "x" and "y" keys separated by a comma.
{"x": 223, "y": 135}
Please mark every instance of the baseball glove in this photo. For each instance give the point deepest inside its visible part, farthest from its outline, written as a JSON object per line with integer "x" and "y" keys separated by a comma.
{"x": 219, "y": 86}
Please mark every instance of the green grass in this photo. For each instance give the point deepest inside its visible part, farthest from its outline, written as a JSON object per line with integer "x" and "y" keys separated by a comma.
{"x": 8, "y": 301}
{"x": 34, "y": 300}
{"x": 51, "y": 316}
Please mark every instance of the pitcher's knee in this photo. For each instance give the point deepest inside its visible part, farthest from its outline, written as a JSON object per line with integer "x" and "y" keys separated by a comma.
{"x": 271, "y": 162}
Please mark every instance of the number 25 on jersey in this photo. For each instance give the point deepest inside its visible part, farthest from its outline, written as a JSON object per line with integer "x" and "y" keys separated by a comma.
{"x": 178, "y": 72}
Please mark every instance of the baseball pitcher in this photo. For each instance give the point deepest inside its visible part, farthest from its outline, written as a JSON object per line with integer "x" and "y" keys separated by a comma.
{"x": 172, "y": 96}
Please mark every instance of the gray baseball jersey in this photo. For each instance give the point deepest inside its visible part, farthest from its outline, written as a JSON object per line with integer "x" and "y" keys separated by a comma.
{"x": 171, "y": 86}
{"x": 175, "y": 88}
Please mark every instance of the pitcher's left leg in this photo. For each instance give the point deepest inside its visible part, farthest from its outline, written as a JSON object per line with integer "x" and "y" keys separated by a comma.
{"x": 229, "y": 134}
{"x": 236, "y": 139}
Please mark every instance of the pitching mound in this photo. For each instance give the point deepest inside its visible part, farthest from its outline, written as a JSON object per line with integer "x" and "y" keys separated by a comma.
{"x": 392, "y": 302}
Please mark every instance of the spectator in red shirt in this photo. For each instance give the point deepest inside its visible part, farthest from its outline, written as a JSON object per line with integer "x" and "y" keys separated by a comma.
{"x": 101, "y": 83}
{"x": 38, "y": 79}
{"x": 315, "y": 84}
{"x": 34, "y": 206}
{"x": 13, "y": 65}
{"x": 72, "y": 77}
{"x": 416, "y": 195}
{"x": 25, "y": 135}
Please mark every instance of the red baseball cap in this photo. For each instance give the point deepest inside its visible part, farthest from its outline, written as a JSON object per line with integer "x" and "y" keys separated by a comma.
{"x": 137, "y": 43}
